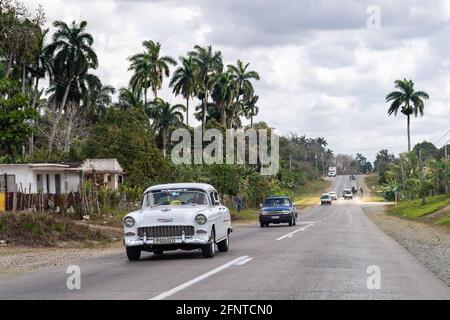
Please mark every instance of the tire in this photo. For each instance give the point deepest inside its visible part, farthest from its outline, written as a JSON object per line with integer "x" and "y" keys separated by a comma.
{"x": 262, "y": 224}
{"x": 295, "y": 221}
{"x": 224, "y": 245}
{"x": 158, "y": 252}
{"x": 209, "y": 250}
{"x": 133, "y": 253}
{"x": 291, "y": 222}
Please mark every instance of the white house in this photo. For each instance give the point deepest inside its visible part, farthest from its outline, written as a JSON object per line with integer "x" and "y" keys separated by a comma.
{"x": 60, "y": 178}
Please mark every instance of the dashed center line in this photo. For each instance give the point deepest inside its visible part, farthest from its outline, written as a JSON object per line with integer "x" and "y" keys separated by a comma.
{"x": 239, "y": 261}
{"x": 291, "y": 234}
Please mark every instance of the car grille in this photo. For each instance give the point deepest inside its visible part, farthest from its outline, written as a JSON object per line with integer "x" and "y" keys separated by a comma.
{"x": 166, "y": 231}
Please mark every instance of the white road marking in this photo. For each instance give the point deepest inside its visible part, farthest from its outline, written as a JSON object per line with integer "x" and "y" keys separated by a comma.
{"x": 243, "y": 259}
{"x": 350, "y": 215}
{"x": 306, "y": 222}
{"x": 290, "y": 234}
{"x": 242, "y": 262}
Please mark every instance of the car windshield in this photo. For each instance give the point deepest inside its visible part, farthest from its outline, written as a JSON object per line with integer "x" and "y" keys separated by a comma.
{"x": 176, "y": 197}
{"x": 277, "y": 202}
{"x": 325, "y": 196}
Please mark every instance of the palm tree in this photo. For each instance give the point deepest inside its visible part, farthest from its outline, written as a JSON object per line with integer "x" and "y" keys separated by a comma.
{"x": 96, "y": 96}
{"x": 243, "y": 83}
{"x": 184, "y": 81}
{"x": 407, "y": 101}
{"x": 209, "y": 64}
{"x": 223, "y": 94}
{"x": 250, "y": 109}
{"x": 149, "y": 69}
{"x": 73, "y": 56}
{"x": 165, "y": 116}
{"x": 128, "y": 99}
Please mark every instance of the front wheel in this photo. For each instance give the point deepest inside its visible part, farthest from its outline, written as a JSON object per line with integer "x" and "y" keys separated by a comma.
{"x": 209, "y": 250}
{"x": 133, "y": 253}
{"x": 291, "y": 222}
{"x": 224, "y": 245}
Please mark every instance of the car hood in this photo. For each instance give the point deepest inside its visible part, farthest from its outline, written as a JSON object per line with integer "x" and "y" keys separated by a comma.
{"x": 280, "y": 208}
{"x": 171, "y": 215}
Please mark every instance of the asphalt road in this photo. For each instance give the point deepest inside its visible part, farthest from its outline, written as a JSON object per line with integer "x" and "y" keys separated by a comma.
{"x": 331, "y": 254}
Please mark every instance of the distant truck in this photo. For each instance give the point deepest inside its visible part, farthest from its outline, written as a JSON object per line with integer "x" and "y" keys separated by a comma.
{"x": 332, "y": 171}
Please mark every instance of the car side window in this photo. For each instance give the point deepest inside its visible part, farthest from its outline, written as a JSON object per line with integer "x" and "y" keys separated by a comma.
{"x": 211, "y": 195}
{"x": 216, "y": 198}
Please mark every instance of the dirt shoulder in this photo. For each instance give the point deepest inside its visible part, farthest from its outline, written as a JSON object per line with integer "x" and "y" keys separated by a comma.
{"x": 430, "y": 244}
{"x": 17, "y": 260}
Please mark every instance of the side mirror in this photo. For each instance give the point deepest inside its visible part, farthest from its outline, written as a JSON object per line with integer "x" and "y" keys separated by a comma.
{"x": 260, "y": 205}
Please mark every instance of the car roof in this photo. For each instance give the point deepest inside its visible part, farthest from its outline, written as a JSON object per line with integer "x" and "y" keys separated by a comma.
{"x": 201, "y": 186}
{"x": 278, "y": 197}
{"x": 325, "y": 194}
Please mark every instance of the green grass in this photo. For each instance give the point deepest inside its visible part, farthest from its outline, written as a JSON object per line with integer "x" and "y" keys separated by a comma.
{"x": 444, "y": 221}
{"x": 246, "y": 215}
{"x": 414, "y": 209}
{"x": 309, "y": 194}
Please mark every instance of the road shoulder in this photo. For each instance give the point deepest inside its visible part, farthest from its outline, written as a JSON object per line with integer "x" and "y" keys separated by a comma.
{"x": 429, "y": 244}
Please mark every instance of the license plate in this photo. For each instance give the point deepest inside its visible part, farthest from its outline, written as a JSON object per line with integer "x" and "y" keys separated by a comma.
{"x": 165, "y": 240}
{"x": 275, "y": 217}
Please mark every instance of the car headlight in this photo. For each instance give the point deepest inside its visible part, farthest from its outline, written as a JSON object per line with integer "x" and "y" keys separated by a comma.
{"x": 128, "y": 222}
{"x": 263, "y": 212}
{"x": 201, "y": 219}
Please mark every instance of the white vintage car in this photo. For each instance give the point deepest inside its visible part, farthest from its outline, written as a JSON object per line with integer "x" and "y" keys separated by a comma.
{"x": 184, "y": 216}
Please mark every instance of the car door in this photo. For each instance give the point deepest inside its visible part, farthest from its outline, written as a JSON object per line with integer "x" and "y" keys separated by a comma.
{"x": 220, "y": 211}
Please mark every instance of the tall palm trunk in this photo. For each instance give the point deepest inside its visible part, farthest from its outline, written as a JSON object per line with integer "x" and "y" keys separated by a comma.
{"x": 205, "y": 107}
{"x": 23, "y": 78}
{"x": 164, "y": 140}
{"x": 8, "y": 67}
{"x": 187, "y": 112}
{"x": 251, "y": 121}
{"x": 71, "y": 112}
{"x": 408, "y": 124}
{"x": 58, "y": 117}
{"x": 33, "y": 106}
{"x": 145, "y": 96}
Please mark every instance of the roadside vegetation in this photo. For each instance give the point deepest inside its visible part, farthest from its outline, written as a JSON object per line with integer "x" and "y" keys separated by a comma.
{"x": 55, "y": 108}
{"x": 39, "y": 230}
{"x": 309, "y": 194}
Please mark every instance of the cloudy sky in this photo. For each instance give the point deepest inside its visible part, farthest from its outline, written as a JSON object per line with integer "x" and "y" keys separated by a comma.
{"x": 323, "y": 71}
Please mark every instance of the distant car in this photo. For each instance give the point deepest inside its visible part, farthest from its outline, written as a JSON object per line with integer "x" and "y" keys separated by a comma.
{"x": 332, "y": 174}
{"x": 279, "y": 209}
{"x": 347, "y": 194}
{"x": 325, "y": 199}
{"x": 333, "y": 195}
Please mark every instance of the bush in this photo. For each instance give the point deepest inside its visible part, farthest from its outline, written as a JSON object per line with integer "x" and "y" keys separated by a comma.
{"x": 35, "y": 230}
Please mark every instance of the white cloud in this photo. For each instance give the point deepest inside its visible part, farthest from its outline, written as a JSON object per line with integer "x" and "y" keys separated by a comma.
{"x": 323, "y": 73}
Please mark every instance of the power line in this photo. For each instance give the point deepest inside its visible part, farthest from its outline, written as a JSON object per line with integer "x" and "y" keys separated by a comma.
{"x": 443, "y": 137}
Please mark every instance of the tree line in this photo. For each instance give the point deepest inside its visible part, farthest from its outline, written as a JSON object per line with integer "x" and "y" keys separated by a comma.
{"x": 55, "y": 108}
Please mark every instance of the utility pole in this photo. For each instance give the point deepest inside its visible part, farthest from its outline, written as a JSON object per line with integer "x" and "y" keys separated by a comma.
{"x": 446, "y": 155}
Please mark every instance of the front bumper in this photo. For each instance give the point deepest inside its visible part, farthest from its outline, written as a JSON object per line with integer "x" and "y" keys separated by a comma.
{"x": 179, "y": 242}
{"x": 275, "y": 218}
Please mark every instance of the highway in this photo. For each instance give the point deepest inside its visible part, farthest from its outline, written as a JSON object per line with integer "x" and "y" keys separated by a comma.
{"x": 334, "y": 252}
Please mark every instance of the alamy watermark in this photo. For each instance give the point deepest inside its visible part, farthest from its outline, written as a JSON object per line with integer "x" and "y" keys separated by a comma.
{"x": 73, "y": 282}
{"x": 374, "y": 279}
{"x": 250, "y": 146}
{"x": 374, "y": 19}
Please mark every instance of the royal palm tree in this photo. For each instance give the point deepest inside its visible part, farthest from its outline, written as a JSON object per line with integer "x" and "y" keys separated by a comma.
{"x": 73, "y": 56}
{"x": 184, "y": 81}
{"x": 165, "y": 116}
{"x": 209, "y": 64}
{"x": 96, "y": 96}
{"x": 243, "y": 84}
{"x": 407, "y": 101}
{"x": 223, "y": 94}
{"x": 149, "y": 69}
{"x": 250, "y": 109}
{"x": 128, "y": 99}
